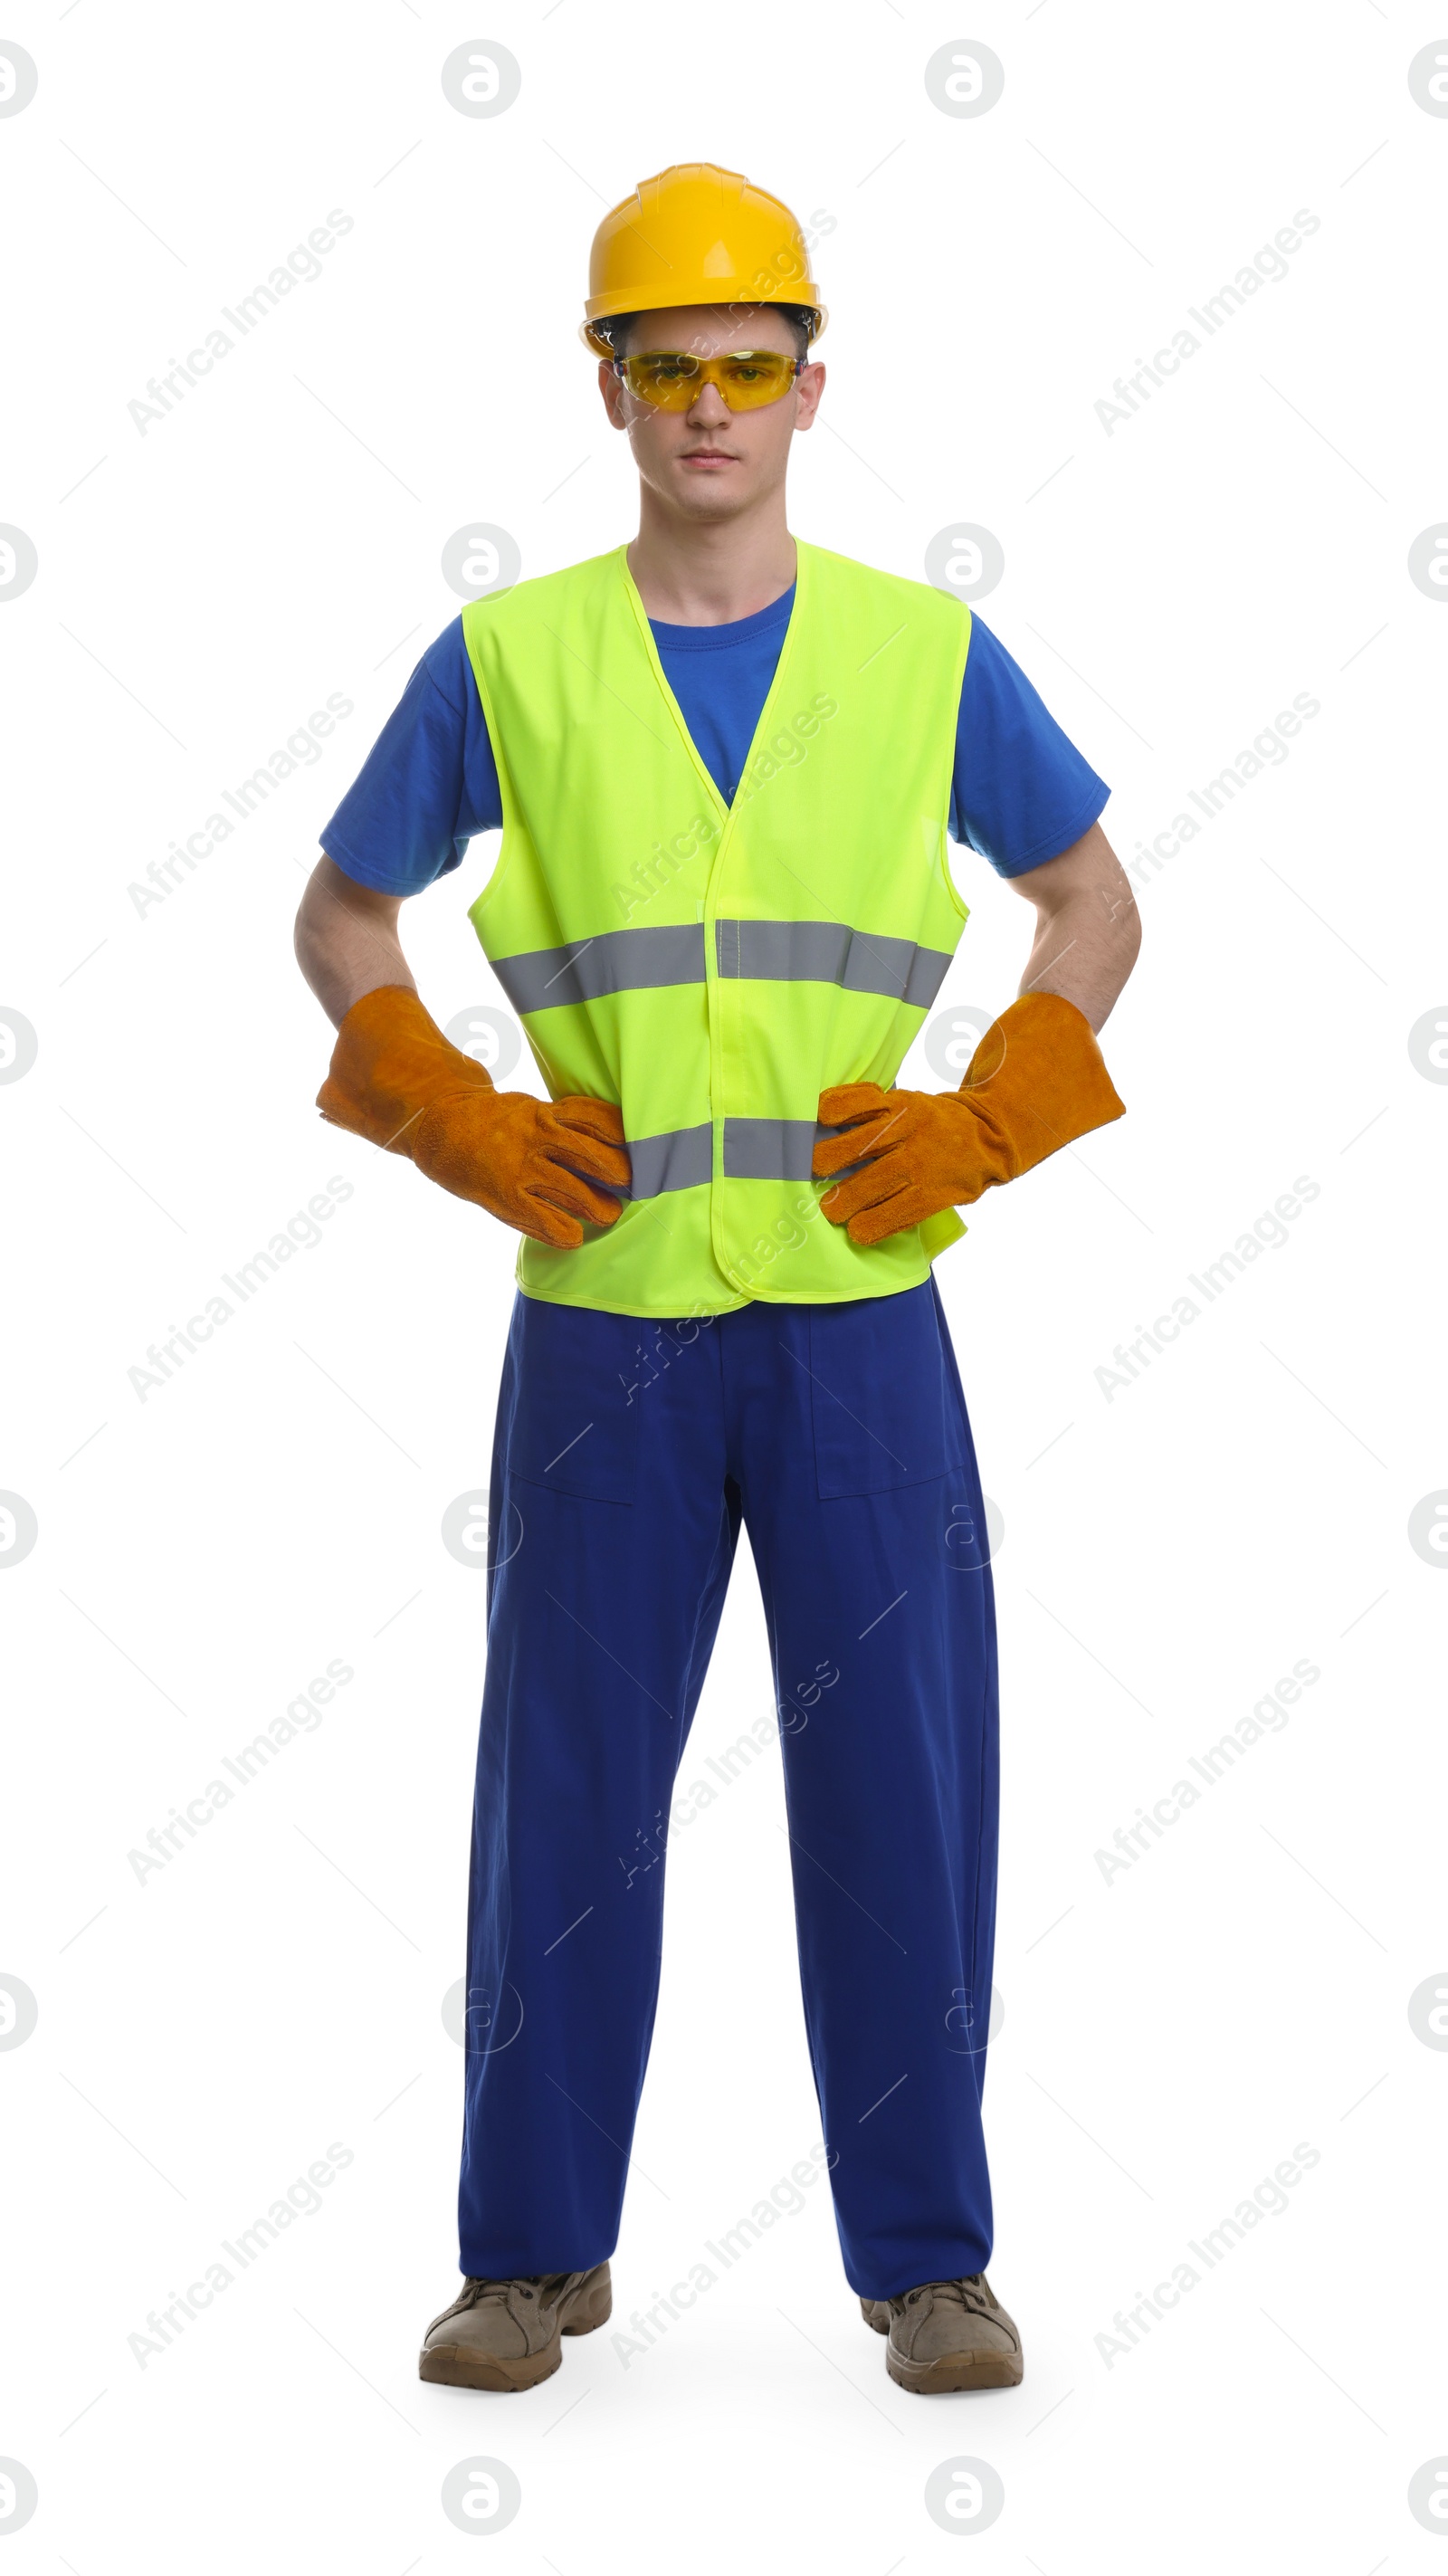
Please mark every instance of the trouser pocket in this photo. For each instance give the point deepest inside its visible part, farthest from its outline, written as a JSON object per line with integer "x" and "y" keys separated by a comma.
{"x": 568, "y": 1406}
{"x": 884, "y": 1396}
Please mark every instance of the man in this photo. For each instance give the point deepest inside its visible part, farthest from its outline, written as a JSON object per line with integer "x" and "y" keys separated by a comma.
{"x": 726, "y": 765}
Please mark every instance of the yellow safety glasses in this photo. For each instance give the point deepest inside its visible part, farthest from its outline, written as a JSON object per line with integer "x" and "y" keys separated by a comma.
{"x": 671, "y": 380}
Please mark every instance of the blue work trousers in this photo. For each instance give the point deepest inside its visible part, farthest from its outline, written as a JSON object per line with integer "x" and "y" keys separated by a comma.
{"x": 625, "y": 1457}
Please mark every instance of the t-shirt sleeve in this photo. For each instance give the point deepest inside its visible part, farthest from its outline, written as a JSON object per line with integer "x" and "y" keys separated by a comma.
{"x": 427, "y": 785}
{"x": 1022, "y": 792}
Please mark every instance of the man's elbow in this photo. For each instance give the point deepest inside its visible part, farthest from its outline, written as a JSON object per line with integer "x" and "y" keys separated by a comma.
{"x": 306, "y": 927}
{"x": 1117, "y": 897}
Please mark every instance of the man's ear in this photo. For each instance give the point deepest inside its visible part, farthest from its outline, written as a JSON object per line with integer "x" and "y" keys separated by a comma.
{"x": 810, "y": 385}
{"x": 612, "y": 392}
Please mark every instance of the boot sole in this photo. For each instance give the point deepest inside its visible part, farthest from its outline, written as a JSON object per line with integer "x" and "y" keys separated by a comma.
{"x": 940, "y": 2378}
{"x": 447, "y": 2366}
{"x": 937, "y": 2379}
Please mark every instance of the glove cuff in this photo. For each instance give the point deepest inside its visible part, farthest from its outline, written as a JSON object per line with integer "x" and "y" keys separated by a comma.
{"x": 390, "y": 1063}
{"x": 1039, "y": 1076}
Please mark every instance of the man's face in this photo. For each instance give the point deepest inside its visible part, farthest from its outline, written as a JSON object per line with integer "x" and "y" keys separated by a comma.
{"x": 711, "y": 462}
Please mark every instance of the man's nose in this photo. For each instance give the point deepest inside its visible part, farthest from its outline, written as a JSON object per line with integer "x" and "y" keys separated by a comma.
{"x": 709, "y": 410}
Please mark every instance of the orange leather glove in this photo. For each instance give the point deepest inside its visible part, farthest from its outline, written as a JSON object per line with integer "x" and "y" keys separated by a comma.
{"x": 1035, "y": 1082}
{"x": 396, "y": 1080}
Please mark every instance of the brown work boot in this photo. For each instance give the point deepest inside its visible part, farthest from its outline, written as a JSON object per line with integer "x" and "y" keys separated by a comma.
{"x": 505, "y": 2334}
{"x": 947, "y": 2334}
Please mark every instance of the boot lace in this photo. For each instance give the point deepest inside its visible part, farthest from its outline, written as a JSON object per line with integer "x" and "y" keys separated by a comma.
{"x": 477, "y": 2292}
{"x": 971, "y": 2292}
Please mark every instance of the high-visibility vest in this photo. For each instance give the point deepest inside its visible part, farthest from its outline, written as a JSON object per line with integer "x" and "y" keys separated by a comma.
{"x": 709, "y": 967}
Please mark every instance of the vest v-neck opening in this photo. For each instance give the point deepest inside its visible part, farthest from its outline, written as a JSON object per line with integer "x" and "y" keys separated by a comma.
{"x": 721, "y": 639}
{"x": 697, "y": 638}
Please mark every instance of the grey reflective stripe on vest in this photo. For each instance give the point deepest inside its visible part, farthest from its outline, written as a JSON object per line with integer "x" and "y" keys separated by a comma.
{"x": 679, "y": 1160}
{"x": 616, "y": 961}
{"x": 755, "y": 1149}
{"x": 769, "y": 1149}
{"x": 829, "y": 952}
{"x": 774, "y": 952}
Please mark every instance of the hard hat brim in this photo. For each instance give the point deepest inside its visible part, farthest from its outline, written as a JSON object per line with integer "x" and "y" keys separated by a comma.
{"x": 602, "y": 347}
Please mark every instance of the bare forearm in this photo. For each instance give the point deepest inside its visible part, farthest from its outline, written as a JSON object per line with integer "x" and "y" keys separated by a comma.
{"x": 346, "y": 940}
{"x": 1088, "y": 929}
{"x": 1086, "y": 960}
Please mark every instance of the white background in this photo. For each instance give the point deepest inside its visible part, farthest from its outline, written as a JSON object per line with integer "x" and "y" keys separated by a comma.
{"x": 1169, "y": 2036}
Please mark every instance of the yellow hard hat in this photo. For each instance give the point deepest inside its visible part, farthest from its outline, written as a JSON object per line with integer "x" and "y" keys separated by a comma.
{"x": 696, "y": 234}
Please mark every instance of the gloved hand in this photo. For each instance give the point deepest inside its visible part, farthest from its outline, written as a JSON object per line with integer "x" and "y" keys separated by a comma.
{"x": 396, "y": 1080}
{"x": 1035, "y": 1082}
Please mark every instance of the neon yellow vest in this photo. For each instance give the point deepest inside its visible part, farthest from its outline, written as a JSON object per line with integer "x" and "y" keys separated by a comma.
{"x": 713, "y": 968}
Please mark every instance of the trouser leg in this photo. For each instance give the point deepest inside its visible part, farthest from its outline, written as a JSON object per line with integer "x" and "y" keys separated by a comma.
{"x": 865, "y": 1518}
{"x": 612, "y": 1534}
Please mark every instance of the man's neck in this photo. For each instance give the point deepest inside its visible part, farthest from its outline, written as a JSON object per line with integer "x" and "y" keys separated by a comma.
{"x": 710, "y": 574}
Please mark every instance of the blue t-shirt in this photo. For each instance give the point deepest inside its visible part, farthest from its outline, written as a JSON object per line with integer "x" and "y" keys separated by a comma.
{"x": 1021, "y": 793}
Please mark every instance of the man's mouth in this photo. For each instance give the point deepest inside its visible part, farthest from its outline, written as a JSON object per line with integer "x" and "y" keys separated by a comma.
{"x": 708, "y": 456}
